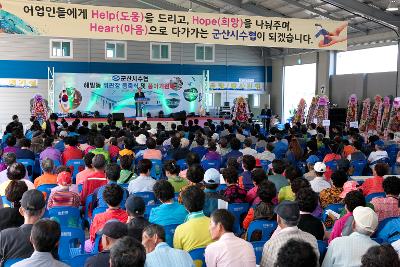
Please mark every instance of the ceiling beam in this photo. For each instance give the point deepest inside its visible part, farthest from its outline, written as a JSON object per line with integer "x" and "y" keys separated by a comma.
{"x": 325, "y": 15}
{"x": 366, "y": 11}
{"x": 211, "y": 7}
{"x": 252, "y": 8}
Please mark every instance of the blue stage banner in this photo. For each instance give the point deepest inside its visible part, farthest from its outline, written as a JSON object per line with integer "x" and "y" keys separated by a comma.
{"x": 108, "y": 93}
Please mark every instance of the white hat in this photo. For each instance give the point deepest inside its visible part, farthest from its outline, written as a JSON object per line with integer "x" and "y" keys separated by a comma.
{"x": 365, "y": 218}
{"x": 141, "y": 139}
{"x": 63, "y": 134}
{"x": 320, "y": 167}
{"x": 184, "y": 142}
{"x": 215, "y": 137}
{"x": 211, "y": 176}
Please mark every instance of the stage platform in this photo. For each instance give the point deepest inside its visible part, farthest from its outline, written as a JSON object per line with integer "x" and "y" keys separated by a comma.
{"x": 152, "y": 121}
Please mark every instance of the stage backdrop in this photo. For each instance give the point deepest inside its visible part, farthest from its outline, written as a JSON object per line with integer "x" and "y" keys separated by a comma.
{"x": 118, "y": 23}
{"x": 108, "y": 93}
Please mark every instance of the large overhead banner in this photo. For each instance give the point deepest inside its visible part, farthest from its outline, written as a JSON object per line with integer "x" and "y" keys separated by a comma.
{"x": 99, "y": 22}
{"x": 108, "y": 93}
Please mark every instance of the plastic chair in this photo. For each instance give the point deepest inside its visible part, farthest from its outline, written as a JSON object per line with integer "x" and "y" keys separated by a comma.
{"x": 221, "y": 187}
{"x": 80, "y": 187}
{"x": 88, "y": 206}
{"x": 182, "y": 164}
{"x": 358, "y": 166}
{"x": 198, "y": 257}
{"x": 10, "y": 262}
{"x": 148, "y": 210}
{"x": 238, "y": 209}
{"x": 266, "y": 227}
{"x": 77, "y": 166}
{"x": 46, "y": 188}
{"x": 378, "y": 240}
{"x": 337, "y": 207}
{"x": 388, "y": 230}
{"x": 5, "y": 201}
{"x": 260, "y": 149}
{"x": 208, "y": 164}
{"x": 72, "y": 243}
{"x": 96, "y": 244}
{"x": 258, "y": 247}
{"x": 156, "y": 169}
{"x": 332, "y": 165}
{"x": 69, "y": 217}
{"x": 78, "y": 260}
{"x": 29, "y": 165}
{"x": 369, "y": 197}
{"x": 148, "y": 197}
{"x": 169, "y": 233}
{"x": 392, "y": 151}
{"x": 323, "y": 248}
{"x": 265, "y": 164}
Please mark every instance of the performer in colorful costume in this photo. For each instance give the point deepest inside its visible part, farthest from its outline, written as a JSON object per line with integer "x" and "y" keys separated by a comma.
{"x": 394, "y": 122}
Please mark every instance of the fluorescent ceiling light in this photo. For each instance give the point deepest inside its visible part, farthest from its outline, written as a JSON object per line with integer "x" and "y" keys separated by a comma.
{"x": 393, "y": 6}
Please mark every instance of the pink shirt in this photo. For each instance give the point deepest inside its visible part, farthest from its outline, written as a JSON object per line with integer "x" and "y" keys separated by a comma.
{"x": 386, "y": 207}
{"x": 252, "y": 197}
{"x": 230, "y": 251}
{"x": 338, "y": 226}
{"x": 152, "y": 154}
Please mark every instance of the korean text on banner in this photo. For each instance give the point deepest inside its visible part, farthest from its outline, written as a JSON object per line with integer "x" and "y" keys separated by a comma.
{"x": 99, "y": 22}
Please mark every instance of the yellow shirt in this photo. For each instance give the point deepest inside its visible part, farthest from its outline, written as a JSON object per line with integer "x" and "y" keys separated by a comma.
{"x": 194, "y": 233}
{"x": 286, "y": 193}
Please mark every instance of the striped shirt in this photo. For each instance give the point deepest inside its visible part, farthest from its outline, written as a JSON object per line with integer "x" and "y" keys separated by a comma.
{"x": 63, "y": 199}
{"x": 164, "y": 255}
{"x": 386, "y": 207}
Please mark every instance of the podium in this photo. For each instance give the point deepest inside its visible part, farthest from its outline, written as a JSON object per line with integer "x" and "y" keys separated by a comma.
{"x": 140, "y": 104}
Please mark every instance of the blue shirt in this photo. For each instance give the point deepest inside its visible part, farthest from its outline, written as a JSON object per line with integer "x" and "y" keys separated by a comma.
{"x": 164, "y": 255}
{"x": 199, "y": 150}
{"x": 100, "y": 200}
{"x": 280, "y": 149}
{"x": 166, "y": 214}
{"x": 232, "y": 154}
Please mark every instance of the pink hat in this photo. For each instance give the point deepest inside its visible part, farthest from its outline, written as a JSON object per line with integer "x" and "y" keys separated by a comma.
{"x": 348, "y": 187}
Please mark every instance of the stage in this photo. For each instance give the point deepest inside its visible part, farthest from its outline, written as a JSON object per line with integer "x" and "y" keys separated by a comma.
{"x": 153, "y": 121}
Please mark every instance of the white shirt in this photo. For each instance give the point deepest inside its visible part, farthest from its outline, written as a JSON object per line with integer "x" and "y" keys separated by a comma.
{"x": 377, "y": 155}
{"x": 266, "y": 155}
{"x": 248, "y": 151}
{"x": 141, "y": 184}
{"x": 319, "y": 183}
{"x": 230, "y": 251}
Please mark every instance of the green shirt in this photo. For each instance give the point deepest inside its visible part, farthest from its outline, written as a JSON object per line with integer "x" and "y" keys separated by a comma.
{"x": 125, "y": 176}
{"x": 177, "y": 182}
{"x": 102, "y": 151}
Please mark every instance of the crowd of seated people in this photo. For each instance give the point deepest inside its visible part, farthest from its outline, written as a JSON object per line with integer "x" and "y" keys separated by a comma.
{"x": 155, "y": 196}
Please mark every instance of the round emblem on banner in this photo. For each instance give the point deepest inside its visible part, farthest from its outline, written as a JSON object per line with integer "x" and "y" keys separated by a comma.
{"x": 190, "y": 94}
{"x": 70, "y": 99}
{"x": 173, "y": 100}
{"x": 116, "y": 78}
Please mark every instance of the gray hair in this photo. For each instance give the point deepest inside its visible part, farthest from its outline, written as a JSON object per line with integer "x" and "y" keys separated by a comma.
{"x": 9, "y": 158}
{"x": 155, "y": 229}
{"x": 48, "y": 165}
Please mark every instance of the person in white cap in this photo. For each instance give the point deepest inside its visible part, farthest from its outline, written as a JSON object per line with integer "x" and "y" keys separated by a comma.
{"x": 319, "y": 183}
{"x": 348, "y": 250}
{"x": 213, "y": 197}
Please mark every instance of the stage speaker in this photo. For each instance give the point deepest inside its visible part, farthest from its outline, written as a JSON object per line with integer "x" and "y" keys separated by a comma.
{"x": 337, "y": 115}
{"x": 118, "y": 116}
{"x": 179, "y": 116}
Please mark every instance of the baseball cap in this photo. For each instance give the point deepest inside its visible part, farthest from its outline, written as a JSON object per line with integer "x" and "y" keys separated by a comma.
{"x": 64, "y": 178}
{"x": 114, "y": 229}
{"x": 135, "y": 205}
{"x": 211, "y": 176}
{"x": 33, "y": 200}
{"x": 348, "y": 187}
{"x": 312, "y": 159}
{"x": 320, "y": 167}
{"x": 365, "y": 218}
{"x": 141, "y": 139}
{"x": 379, "y": 143}
{"x": 152, "y": 131}
{"x": 63, "y": 134}
{"x": 288, "y": 210}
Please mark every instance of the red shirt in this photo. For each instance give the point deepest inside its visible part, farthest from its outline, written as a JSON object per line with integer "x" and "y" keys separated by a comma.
{"x": 101, "y": 219}
{"x": 94, "y": 181}
{"x": 372, "y": 185}
{"x": 113, "y": 151}
{"x": 70, "y": 153}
